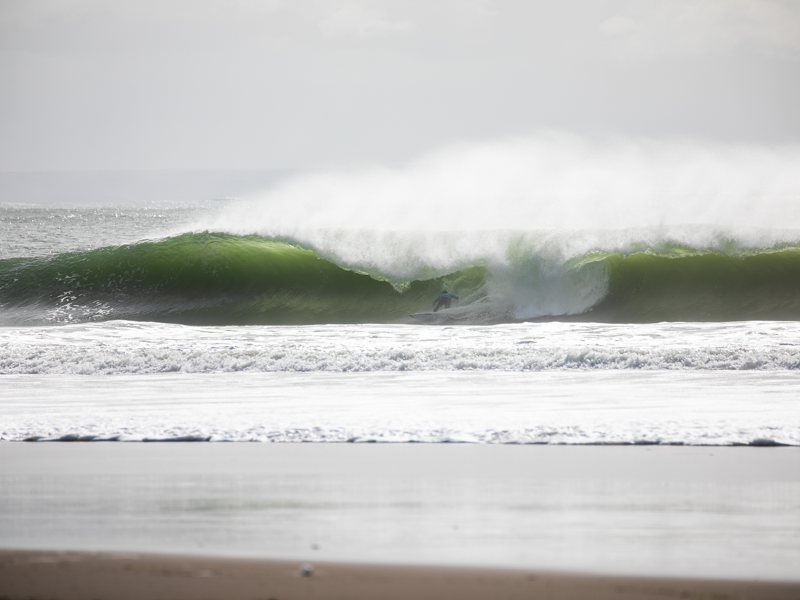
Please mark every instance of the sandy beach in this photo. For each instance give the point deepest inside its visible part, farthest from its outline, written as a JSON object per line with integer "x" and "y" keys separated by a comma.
{"x": 93, "y": 576}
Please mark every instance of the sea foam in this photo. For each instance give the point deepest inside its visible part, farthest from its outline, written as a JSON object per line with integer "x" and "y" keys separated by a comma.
{"x": 147, "y": 348}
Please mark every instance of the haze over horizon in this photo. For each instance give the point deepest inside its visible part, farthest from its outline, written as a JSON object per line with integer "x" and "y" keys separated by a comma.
{"x": 90, "y": 85}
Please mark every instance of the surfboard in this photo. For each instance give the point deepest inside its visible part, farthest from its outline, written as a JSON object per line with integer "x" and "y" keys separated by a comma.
{"x": 442, "y": 317}
{"x": 458, "y": 314}
{"x": 428, "y": 316}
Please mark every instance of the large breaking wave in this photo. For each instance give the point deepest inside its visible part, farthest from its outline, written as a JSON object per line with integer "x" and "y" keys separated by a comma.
{"x": 199, "y": 279}
{"x": 219, "y": 278}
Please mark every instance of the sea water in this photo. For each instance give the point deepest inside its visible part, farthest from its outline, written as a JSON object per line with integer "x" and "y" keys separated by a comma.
{"x": 209, "y": 321}
{"x": 116, "y": 316}
{"x": 719, "y": 384}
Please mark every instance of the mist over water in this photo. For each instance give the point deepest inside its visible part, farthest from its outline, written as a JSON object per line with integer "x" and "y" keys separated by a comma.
{"x": 556, "y": 196}
{"x": 531, "y": 210}
{"x": 552, "y": 181}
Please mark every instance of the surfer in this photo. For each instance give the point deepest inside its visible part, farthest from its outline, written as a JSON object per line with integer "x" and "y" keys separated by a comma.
{"x": 443, "y": 300}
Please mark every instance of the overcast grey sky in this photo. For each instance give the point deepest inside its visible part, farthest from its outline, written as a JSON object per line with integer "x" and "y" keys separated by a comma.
{"x": 173, "y": 84}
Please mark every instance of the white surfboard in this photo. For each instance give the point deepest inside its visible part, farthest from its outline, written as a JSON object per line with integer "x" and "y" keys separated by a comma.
{"x": 428, "y": 317}
{"x": 446, "y": 315}
{"x": 470, "y": 313}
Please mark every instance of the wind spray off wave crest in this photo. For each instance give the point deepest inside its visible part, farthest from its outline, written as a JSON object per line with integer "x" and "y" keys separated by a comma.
{"x": 530, "y": 210}
{"x": 552, "y": 181}
{"x": 377, "y": 244}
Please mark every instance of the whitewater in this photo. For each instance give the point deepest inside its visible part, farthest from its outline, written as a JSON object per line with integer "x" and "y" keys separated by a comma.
{"x": 610, "y": 291}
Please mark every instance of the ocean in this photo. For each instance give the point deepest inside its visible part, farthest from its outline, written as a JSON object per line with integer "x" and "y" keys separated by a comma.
{"x": 209, "y": 322}
{"x": 562, "y": 328}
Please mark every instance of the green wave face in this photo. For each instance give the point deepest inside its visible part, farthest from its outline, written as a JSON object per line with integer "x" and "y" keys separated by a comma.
{"x": 221, "y": 279}
{"x": 208, "y": 279}
{"x": 704, "y": 287}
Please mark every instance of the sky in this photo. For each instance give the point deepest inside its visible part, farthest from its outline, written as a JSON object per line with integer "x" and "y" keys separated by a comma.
{"x": 90, "y": 85}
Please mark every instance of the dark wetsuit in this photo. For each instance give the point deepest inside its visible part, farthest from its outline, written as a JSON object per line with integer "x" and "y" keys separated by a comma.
{"x": 443, "y": 301}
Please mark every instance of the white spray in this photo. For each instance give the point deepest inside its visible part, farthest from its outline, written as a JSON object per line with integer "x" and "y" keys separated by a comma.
{"x": 527, "y": 208}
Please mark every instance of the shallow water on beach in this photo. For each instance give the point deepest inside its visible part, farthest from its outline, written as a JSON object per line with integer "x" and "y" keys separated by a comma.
{"x": 706, "y": 512}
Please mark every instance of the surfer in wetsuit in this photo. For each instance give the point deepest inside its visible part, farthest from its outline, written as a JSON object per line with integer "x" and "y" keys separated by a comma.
{"x": 443, "y": 301}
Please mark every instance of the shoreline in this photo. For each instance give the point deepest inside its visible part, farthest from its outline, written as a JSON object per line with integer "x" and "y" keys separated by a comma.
{"x": 72, "y": 437}
{"x": 99, "y": 575}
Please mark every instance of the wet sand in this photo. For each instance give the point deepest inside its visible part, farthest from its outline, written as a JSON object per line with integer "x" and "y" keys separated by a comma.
{"x": 674, "y": 513}
{"x": 99, "y": 576}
